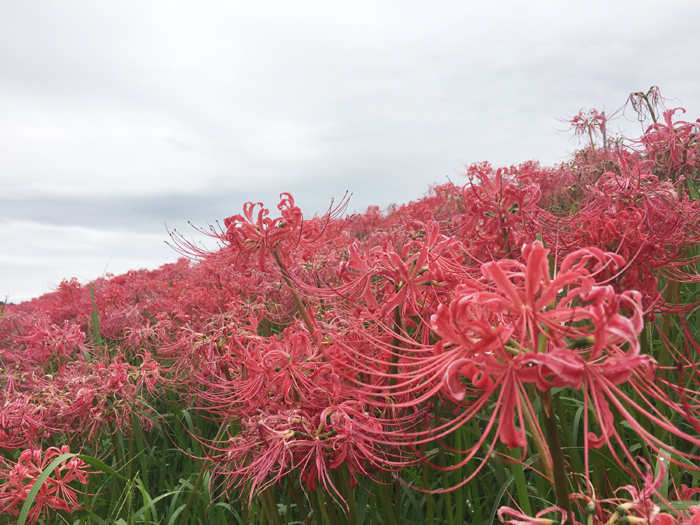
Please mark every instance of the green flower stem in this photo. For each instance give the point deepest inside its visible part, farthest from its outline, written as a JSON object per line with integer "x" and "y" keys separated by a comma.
{"x": 298, "y": 501}
{"x": 321, "y": 506}
{"x": 297, "y": 299}
{"x": 537, "y": 437}
{"x": 386, "y": 503}
{"x": 428, "y": 496}
{"x": 344, "y": 475}
{"x": 446, "y": 482}
{"x": 271, "y": 510}
{"x": 198, "y": 482}
{"x": 516, "y": 468}
{"x": 561, "y": 484}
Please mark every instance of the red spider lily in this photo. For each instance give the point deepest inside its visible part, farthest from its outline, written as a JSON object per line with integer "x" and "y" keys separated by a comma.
{"x": 641, "y": 218}
{"x": 518, "y": 325}
{"x": 637, "y": 216}
{"x": 21, "y": 422}
{"x": 501, "y": 213}
{"x": 255, "y": 236}
{"x": 514, "y": 517}
{"x": 639, "y": 510}
{"x": 695, "y": 516}
{"x": 80, "y": 398}
{"x": 55, "y": 492}
{"x": 589, "y": 123}
{"x": 674, "y": 146}
{"x": 642, "y": 510}
{"x": 423, "y": 270}
{"x": 511, "y": 327}
{"x": 272, "y": 445}
{"x": 284, "y": 370}
{"x": 642, "y": 505}
{"x": 46, "y": 341}
{"x": 440, "y": 204}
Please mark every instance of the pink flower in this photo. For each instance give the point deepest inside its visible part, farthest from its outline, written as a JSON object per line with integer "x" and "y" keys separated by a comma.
{"x": 55, "y": 493}
{"x": 514, "y": 517}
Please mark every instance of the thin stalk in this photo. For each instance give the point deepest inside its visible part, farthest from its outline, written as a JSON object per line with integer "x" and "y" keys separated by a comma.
{"x": 373, "y": 518}
{"x": 566, "y": 430}
{"x": 344, "y": 474}
{"x": 446, "y": 482}
{"x": 537, "y": 438}
{"x": 321, "y": 506}
{"x": 315, "y": 510}
{"x": 297, "y": 299}
{"x": 330, "y": 509}
{"x": 428, "y": 496}
{"x": 477, "y": 513}
{"x": 288, "y": 510}
{"x": 386, "y": 503}
{"x": 263, "y": 512}
{"x": 459, "y": 493}
{"x": 516, "y": 468}
{"x": 561, "y": 484}
{"x": 298, "y": 501}
{"x": 198, "y": 482}
{"x": 129, "y": 470}
{"x": 271, "y": 510}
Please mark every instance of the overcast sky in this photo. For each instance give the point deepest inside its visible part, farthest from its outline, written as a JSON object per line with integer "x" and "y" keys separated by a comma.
{"x": 117, "y": 118}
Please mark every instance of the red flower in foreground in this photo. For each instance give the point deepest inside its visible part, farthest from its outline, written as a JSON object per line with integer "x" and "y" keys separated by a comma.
{"x": 54, "y": 493}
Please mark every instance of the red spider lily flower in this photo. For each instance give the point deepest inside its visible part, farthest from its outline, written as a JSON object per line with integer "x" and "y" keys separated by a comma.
{"x": 641, "y": 510}
{"x": 415, "y": 276}
{"x": 501, "y": 212}
{"x": 515, "y": 325}
{"x": 21, "y": 422}
{"x": 589, "y": 123}
{"x": 46, "y": 341}
{"x": 55, "y": 492}
{"x": 514, "y": 517}
{"x": 284, "y": 370}
{"x": 255, "y": 236}
{"x": 674, "y": 146}
{"x": 272, "y": 445}
{"x": 695, "y": 516}
{"x": 642, "y": 219}
{"x": 518, "y": 325}
{"x": 250, "y": 236}
{"x": 642, "y": 504}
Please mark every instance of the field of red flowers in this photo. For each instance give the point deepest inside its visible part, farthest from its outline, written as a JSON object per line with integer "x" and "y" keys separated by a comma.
{"x": 523, "y": 347}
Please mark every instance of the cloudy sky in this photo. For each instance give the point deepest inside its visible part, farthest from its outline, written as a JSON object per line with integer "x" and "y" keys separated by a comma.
{"x": 119, "y": 118}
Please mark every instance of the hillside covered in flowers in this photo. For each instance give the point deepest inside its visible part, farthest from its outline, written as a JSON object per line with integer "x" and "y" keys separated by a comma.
{"x": 520, "y": 346}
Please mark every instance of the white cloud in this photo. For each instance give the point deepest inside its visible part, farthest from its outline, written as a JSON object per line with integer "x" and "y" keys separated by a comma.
{"x": 123, "y": 116}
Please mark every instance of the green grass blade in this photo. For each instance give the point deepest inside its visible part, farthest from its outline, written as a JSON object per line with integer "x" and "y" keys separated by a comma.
{"x": 38, "y": 483}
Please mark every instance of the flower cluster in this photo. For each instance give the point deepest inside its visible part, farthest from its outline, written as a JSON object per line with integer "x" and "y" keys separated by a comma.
{"x": 55, "y": 492}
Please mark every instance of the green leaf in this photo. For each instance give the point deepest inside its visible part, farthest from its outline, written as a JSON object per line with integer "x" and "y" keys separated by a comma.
{"x": 95, "y": 517}
{"x": 38, "y": 483}
{"x": 49, "y": 470}
{"x": 101, "y": 466}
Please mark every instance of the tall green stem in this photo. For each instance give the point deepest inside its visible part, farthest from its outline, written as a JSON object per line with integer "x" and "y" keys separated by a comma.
{"x": 561, "y": 484}
{"x": 428, "y": 496}
{"x": 297, "y": 299}
{"x": 387, "y": 504}
{"x": 190, "y": 500}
